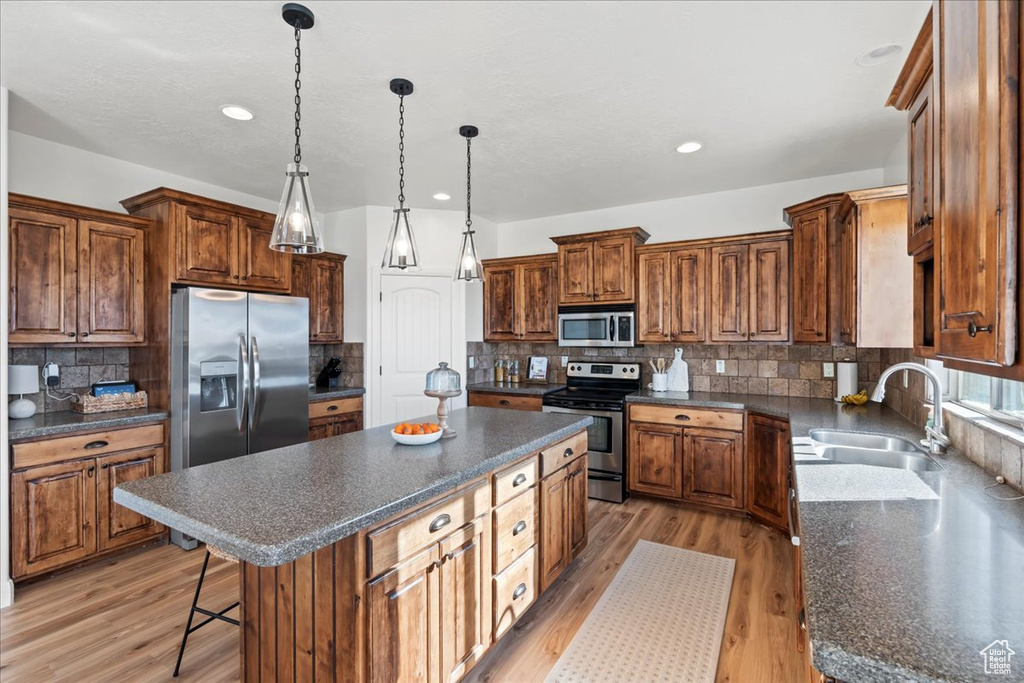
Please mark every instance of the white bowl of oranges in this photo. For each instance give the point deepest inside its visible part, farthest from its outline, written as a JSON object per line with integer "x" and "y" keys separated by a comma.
{"x": 416, "y": 434}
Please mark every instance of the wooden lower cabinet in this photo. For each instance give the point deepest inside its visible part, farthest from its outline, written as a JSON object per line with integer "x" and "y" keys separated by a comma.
{"x": 577, "y": 506}
{"x": 563, "y": 519}
{"x": 655, "y": 459}
{"x": 334, "y": 418}
{"x": 768, "y": 464}
{"x": 119, "y": 526}
{"x": 713, "y": 467}
{"x": 465, "y": 598}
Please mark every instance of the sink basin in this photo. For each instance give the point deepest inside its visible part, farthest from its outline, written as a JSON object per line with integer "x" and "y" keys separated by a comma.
{"x": 900, "y": 460}
{"x": 872, "y": 441}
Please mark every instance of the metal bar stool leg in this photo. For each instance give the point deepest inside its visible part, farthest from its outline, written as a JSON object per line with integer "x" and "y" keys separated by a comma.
{"x": 210, "y": 616}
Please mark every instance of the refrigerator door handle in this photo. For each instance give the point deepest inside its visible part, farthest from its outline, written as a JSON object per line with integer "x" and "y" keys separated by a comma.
{"x": 243, "y": 382}
{"x": 254, "y": 409}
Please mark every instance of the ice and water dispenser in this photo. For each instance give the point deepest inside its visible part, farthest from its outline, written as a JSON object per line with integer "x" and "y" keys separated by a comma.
{"x": 218, "y": 385}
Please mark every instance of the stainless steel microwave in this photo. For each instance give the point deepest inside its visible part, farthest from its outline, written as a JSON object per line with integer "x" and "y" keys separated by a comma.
{"x": 597, "y": 326}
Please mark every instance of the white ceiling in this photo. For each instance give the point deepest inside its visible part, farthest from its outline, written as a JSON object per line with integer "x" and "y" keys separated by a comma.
{"x": 580, "y": 104}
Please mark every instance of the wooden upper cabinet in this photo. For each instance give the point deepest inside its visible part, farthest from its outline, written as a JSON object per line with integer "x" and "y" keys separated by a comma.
{"x": 848, "y": 279}
{"x": 576, "y": 273}
{"x": 977, "y": 59}
{"x": 768, "y": 462}
{"x": 688, "y": 278}
{"x": 111, "y": 276}
{"x": 729, "y": 300}
{"x": 207, "y": 246}
{"x": 613, "y": 270}
{"x": 520, "y": 298}
{"x": 327, "y": 306}
{"x": 43, "y": 258}
{"x": 713, "y": 467}
{"x": 261, "y": 267}
{"x": 813, "y": 246}
{"x": 598, "y": 267}
{"x": 769, "y": 291}
{"x": 920, "y": 170}
{"x": 77, "y": 274}
{"x": 655, "y": 309}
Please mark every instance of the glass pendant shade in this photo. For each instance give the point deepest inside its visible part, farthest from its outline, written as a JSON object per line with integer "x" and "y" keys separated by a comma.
{"x": 401, "y": 253}
{"x": 296, "y": 229}
{"x": 469, "y": 267}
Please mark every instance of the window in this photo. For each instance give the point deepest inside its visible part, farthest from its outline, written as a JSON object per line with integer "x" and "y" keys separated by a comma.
{"x": 1002, "y": 399}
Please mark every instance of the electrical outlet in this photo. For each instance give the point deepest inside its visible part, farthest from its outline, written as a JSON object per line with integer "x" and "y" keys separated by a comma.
{"x": 51, "y": 374}
{"x": 565, "y": 361}
{"x": 472, "y": 362}
{"x": 828, "y": 370}
{"x": 720, "y": 367}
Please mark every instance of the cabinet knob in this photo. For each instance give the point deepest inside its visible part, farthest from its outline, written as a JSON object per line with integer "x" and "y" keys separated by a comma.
{"x": 973, "y": 329}
{"x": 104, "y": 465}
{"x": 235, "y": 276}
{"x": 440, "y": 522}
{"x": 519, "y": 480}
{"x": 85, "y": 334}
{"x": 71, "y": 334}
{"x": 519, "y": 528}
{"x": 519, "y": 591}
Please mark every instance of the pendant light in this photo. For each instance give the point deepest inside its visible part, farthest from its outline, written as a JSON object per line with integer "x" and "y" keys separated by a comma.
{"x": 469, "y": 267}
{"x": 401, "y": 253}
{"x": 296, "y": 229}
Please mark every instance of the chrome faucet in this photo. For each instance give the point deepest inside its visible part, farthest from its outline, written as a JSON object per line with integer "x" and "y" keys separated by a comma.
{"x": 937, "y": 439}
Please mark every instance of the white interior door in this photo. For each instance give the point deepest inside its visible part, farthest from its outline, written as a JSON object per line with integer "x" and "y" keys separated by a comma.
{"x": 416, "y": 333}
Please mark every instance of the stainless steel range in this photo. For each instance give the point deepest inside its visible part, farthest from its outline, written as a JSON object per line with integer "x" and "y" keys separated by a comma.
{"x": 600, "y": 390}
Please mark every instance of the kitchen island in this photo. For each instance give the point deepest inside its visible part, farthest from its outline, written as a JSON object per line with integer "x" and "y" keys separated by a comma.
{"x": 362, "y": 557}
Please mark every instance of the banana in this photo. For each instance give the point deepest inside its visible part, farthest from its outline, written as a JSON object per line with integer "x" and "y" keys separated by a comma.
{"x": 858, "y": 399}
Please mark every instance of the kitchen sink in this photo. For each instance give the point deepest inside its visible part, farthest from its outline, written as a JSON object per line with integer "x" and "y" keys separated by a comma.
{"x": 872, "y": 441}
{"x": 900, "y": 460}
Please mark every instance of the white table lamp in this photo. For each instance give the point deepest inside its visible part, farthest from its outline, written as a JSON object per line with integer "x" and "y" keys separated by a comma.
{"x": 21, "y": 380}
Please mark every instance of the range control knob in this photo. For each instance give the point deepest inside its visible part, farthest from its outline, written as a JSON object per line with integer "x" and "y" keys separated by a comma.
{"x": 633, "y": 370}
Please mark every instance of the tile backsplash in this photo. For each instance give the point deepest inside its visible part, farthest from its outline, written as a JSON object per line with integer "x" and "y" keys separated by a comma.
{"x": 351, "y": 355}
{"x": 80, "y": 368}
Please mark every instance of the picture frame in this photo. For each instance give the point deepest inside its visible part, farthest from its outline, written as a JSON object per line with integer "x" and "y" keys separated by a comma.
{"x": 538, "y": 369}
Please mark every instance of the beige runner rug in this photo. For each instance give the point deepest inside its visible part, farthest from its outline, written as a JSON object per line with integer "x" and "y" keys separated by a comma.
{"x": 661, "y": 619}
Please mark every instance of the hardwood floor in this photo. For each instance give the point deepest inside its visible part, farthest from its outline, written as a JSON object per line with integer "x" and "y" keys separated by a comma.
{"x": 122, "y": 619}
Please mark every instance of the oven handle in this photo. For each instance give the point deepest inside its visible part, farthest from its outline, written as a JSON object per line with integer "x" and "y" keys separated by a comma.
{"x": 574, "y": 411}
{"x": 601, "y": 476}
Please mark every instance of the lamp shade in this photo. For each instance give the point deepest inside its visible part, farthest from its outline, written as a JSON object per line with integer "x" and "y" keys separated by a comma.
{"x": 22, "y": 379}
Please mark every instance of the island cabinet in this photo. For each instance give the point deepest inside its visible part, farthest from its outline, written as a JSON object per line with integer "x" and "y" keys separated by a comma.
{"x": 768, "y": 470}
{"x": 598, "y": 267}
{"x": 521, "y": 298}
{"x": 62, "y": 507}
{"x": 813, "y": 276}
{"x": 77, "y": 274}
{"x": 335, "y": 417}
{"x": 563, "y": 503}
{"x": 693, "y": 455}
{"x": 321, "y": 279}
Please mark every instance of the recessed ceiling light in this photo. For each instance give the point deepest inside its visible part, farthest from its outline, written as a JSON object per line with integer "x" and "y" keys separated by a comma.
{"x": 233, "y": 111}
{"x": 879, "y": 55}
{"x": 689, "y": 147}
{"x": 442, "y": 197}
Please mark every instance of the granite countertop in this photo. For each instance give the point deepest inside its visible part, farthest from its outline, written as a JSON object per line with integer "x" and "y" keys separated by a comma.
{"x": 273, "y": 507}
{"x": 44, "y": 425}
{"x": 521, "y": 389}
{"x": 318, "y": 394}
{"x": 907, "y": 575}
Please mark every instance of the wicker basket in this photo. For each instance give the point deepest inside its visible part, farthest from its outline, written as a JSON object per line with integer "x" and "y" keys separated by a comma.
{"x": 84, "y": 403}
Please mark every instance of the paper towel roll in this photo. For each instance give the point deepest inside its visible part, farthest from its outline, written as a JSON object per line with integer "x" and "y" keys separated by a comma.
{"x": 846, "y": 379}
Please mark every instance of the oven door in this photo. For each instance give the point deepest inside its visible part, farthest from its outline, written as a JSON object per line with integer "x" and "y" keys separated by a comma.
{"x": 604, "y": 438}
{"x": 585, "y": 329}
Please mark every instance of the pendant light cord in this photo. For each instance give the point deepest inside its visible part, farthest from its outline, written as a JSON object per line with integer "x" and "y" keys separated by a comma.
{"x": 298, "y": 98}
{"x": 469, "y": 185}
{"x": 401, "y": 151}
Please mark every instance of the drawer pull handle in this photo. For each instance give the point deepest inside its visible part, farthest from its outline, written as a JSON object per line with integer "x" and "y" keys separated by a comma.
{"x": 505, "y": 402}
{"x": 519, "y": 528}
{"x": 682, "y": 417}
{"x": 519, "y": 591}
{"x": 441, "y": 522}
{"x": 568, "y": 453}
{"x": 331, "y": 409}
{"x": 97, "y": 444}
{"x": 519, "y": 480}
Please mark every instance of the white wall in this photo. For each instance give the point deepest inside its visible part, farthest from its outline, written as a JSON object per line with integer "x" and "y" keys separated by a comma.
{"x": 6, "y": 585}
{"x": 894, "y": 170}
{"x": 345, "y": 233}
{"x": 751, "y": 209}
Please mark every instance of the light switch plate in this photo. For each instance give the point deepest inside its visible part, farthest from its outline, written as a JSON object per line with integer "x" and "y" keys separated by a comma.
{"x": 828, "y": 370}
{"x": 720, "y": 367}
{"x": 565, "y": 361}
{"x": 472, "y": 362}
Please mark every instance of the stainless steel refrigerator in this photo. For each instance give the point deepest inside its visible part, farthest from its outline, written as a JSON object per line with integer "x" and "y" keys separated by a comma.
{"x": 240, "y": 376}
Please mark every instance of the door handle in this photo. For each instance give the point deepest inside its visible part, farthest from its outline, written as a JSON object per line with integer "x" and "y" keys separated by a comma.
{"x": 792, "y": 530}
{"x": 519, "y": 480}
{"x": 519, "y": 528}
{"x": 254, "y": 409}
{"x": 519, "y": 591}
{"x": 243, "y": 380}
{"x": 440, "y": 522}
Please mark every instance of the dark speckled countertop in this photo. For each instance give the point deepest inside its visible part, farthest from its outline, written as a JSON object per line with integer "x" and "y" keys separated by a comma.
{"x": 907, "y": 575}
{"x": 318, "y": 394}
{"x": 46, "y": 425}
{"x": 273, "y": 507}
{"x": 521, "y": 389}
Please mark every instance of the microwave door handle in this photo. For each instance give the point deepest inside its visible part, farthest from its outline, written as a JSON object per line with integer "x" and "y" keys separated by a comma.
{"x": 611, "y": 328}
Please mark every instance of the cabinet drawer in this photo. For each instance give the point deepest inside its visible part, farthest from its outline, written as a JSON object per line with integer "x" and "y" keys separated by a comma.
{"x": 515, "y": 529}
{"x": 514, "y": 591}
{"x": 562, "y": 453}
{"x": 516, "y": 479}
{"x": 534, "y": 403}
{"x": 336, "y": 407}
{"x": 687, "y": 417}
{"x": 397, "y": 540}
{"x": 85, "y": 445}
